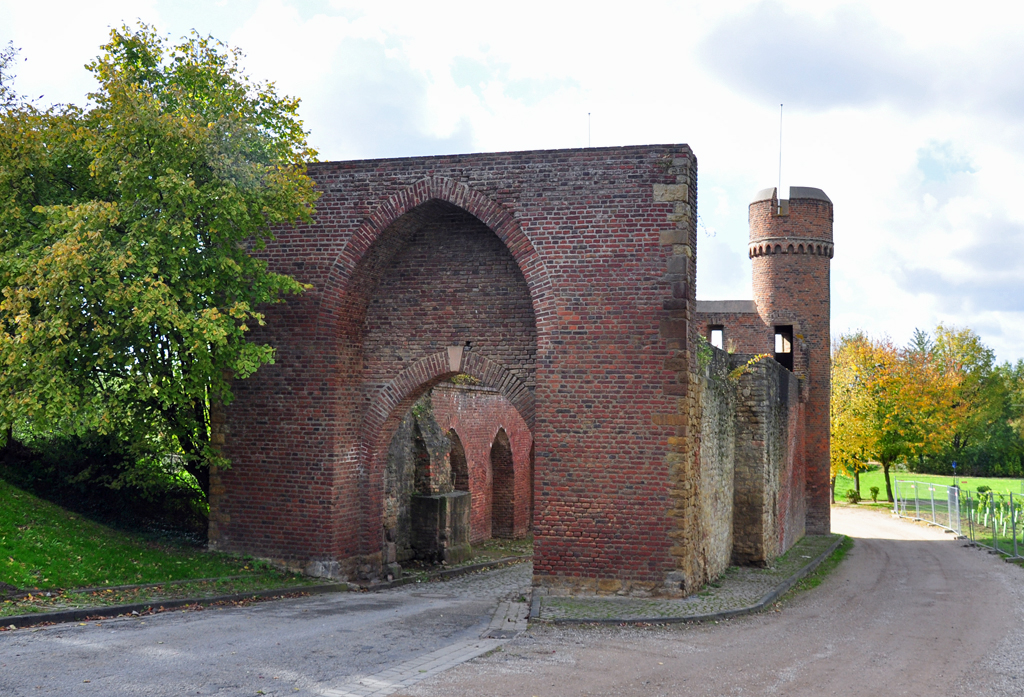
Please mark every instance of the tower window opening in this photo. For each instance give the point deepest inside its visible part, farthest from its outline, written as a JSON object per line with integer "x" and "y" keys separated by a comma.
{"x": 717, "y": 337}
{"x": 784, "y": 346}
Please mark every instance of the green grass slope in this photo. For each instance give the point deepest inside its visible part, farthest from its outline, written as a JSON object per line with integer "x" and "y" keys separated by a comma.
{"x": 971, "y": 484}
{"x": 43, "y": 546}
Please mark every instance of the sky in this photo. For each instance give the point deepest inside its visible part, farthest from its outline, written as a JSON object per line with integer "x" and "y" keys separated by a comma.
{"x": 908, "y": 115}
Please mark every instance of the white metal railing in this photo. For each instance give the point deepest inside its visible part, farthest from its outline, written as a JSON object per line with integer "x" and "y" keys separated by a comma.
{"x": 989, "y": 519}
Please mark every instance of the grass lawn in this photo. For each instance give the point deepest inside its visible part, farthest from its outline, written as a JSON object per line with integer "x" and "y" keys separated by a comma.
{"x": 44, "y": 547}
{"x": 877, "y": 478}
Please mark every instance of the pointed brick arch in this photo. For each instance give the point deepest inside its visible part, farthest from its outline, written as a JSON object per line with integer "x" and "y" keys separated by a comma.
{"x": 495, "y": 216}
{"x": 503, "y": 487}
{"x": 392, "y": 401}
{"x": 460, "y": 466}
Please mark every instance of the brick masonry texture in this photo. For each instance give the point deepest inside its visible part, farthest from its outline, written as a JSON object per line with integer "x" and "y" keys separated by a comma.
{"x": 561, "y": 279}
{"x": 751, "y": 462}
{"x": 769, "y": 510}
{"x": 476, "y": 416}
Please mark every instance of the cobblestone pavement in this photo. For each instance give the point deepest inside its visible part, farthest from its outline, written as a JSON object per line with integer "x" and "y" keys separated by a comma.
{"x": 738, "y": 588}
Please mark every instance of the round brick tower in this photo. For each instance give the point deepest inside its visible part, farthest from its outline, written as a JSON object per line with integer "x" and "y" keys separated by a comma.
{"x": 790, "y": 248}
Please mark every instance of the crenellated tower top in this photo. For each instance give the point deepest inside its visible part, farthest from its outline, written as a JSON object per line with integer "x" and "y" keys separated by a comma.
{"x": 801, "y": 224}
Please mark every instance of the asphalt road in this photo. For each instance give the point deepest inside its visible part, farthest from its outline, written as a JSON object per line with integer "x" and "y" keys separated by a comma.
{"x": 910, "y": 612}
{"x": 306, "y": 646}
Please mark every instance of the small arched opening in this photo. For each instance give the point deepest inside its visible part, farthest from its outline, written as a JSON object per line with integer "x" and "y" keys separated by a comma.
{"x": 459, "y": 464}
{"x": 502, "y": 487}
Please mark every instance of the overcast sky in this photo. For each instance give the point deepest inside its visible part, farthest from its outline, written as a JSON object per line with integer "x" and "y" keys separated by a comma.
{"x": 908, "y": 115}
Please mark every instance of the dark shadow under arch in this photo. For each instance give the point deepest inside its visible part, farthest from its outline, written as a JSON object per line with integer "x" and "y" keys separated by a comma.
{"x": 460, "y": 466}
{"x": 503, "y": 487}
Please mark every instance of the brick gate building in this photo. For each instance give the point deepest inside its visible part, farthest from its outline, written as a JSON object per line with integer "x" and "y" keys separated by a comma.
{"x": 562, "y": 281}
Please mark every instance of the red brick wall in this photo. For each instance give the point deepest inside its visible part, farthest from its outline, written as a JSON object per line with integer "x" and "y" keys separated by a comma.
{"x": 453, "y": 281}
{"x": 476, "y": 415}
{"x": 604, "y": 242}
{"x": 742, "y": 332}
{"x": 792, "y": 522}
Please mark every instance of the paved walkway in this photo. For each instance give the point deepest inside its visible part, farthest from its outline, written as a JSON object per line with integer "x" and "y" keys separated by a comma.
{"x": 509, "y": 619}
{"x": 738, "y": 590}
{"x": 339, "y": 645}
{"x": 911, "y": 611}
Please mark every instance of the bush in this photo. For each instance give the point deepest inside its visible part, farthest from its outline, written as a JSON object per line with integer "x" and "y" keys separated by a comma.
{"x": 874, "y": 493}
{"x": 852, "y": 496}
{"x": 983, "y": 488}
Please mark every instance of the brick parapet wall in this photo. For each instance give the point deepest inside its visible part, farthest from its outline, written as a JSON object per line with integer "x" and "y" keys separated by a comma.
{"x": 742, "y": 332}
{"x": 603, "y": 240}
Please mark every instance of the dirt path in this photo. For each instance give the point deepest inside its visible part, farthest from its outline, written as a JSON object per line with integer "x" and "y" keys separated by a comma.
{"x": 910, "y": 611}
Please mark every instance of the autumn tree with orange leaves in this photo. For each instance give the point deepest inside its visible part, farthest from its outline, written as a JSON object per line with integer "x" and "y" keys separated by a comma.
{"x": 889, "y": 404}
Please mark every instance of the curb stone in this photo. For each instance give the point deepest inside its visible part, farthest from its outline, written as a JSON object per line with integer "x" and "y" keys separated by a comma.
{"x": 106, "y": 612}
{"x": 767, "y": 599}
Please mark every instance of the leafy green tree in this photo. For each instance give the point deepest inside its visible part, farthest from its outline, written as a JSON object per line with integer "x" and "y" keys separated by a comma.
{"x": 126, "y": 232}
{"x": 888, "y": 404}
{"x": 979, "y": 394}
{"x": 8, "y": 55}
{"x": 850, "y": 407}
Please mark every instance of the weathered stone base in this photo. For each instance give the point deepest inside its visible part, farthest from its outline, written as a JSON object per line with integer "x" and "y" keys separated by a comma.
{"x": 566, "y": 586}
{"x": 365, "y": 568}
{"x": 440, "y": 527}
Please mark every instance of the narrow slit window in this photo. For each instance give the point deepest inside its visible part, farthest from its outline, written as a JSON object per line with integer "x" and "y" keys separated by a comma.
{"x": 718, "y": 337}
{"x": 784, "y": 346}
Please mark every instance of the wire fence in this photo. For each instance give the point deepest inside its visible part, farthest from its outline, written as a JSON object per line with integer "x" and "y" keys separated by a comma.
{"x": 989, "y": 519}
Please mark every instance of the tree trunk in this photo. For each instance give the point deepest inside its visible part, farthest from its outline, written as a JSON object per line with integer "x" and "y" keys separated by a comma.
{"x": 833, "y": 487}
{"x": 194, "y": 463}
{"x": 193, "y": 436}
{"x": 888, "y": 484}
{"x": 856, "y": 483}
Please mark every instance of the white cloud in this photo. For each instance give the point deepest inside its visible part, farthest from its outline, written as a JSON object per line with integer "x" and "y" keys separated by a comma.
{"x": 908, "y": 119}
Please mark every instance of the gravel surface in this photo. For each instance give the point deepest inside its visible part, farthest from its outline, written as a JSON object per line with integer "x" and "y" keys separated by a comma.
{"x": 910, "y": 611}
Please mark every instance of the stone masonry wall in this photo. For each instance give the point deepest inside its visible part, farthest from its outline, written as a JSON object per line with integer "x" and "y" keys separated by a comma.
{"x": 767, "y": 516}
{"x": 418, "y": 436}
{"x": 717, "y": 463}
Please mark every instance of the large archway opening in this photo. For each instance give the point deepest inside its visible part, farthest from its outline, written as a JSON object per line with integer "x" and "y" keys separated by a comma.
{"x": 446, "y": 299}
